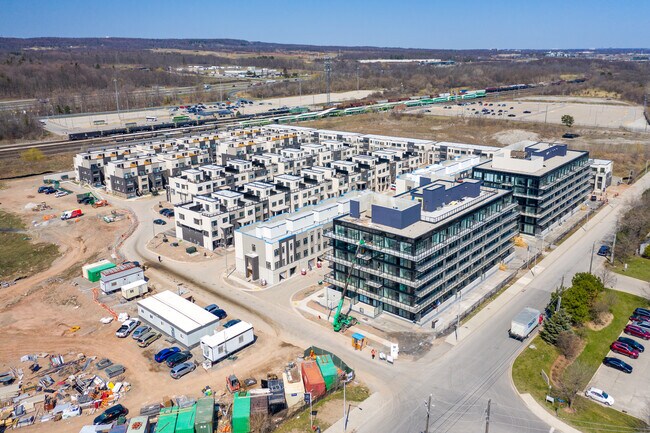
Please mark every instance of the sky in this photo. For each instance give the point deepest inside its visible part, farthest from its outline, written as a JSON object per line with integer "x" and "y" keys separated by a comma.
{"x": 437, "y": 24}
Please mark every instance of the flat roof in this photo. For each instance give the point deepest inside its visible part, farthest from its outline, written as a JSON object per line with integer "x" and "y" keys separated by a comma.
{"x": 226, "y": 334}
{"x": 549, "y": 165}
{"x": 467, "y": 146}
{"x": 289, "y": 177}
{"x": 180, "y": 312}
{"x": 227, "y": 193}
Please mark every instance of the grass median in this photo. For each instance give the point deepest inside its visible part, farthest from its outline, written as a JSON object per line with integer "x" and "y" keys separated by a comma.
{"x": 587, "y": 416}
{"x": 637, "y": 267}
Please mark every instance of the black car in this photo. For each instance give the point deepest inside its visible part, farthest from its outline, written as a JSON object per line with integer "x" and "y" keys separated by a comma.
{"x": 632, "y": 343}
{"x": 178, "y": 358}
{"x": 159, "y": 222}
{"x": 164, "y": 211}
{"x": 111, "y": 414}
{"x": 221, "y": 314}
{"x": 618, "y": 364}
{"x": 570, "y": 135}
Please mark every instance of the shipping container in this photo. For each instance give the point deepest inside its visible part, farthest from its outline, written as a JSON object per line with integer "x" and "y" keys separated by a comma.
{"x": 167, "y": 420}
{"x": 134, "y": 289}
{"x": 204, "y": 420}
{"x": 294, "y": 390}
{"x": 94, "y": 274}
{"x": 241, "y": 413}
{"x": 185, "y": 420}
{"x": 328, "y": 370}
{"x": 85, "y": 268}
{"x": 138, "y": 424}
{"x": 313, "y": 379}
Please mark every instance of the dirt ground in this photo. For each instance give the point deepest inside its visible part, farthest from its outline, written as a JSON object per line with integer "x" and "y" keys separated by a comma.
{"x": 36, "y": 312}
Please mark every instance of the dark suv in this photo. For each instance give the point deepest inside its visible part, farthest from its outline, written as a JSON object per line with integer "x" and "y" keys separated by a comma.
{"x": 111, "y": 414}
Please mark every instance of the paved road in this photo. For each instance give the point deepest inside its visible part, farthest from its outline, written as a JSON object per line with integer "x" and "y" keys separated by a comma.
{"x": 461, "y": 378}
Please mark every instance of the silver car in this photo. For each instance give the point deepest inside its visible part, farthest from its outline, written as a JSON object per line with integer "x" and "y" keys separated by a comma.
{"x": 182, "y": 369}
{"x": 127, "y": 327}
{"x": 140, "y": 331}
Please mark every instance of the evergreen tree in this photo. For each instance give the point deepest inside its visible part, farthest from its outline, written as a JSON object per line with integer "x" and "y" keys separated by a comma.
{"x": 558, "y": 323}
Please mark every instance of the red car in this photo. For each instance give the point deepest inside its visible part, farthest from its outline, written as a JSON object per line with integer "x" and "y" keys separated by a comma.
{"x": 624, "y": 349}
{"x": 637, "y": 331}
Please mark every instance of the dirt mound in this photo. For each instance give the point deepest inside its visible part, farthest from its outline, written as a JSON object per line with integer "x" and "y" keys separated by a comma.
{"x": 512, "y": 136}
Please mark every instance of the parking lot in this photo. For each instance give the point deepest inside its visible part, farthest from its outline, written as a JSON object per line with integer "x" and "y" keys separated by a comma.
{"x": 629, "y": 391}
{"x": 586, "y": 111}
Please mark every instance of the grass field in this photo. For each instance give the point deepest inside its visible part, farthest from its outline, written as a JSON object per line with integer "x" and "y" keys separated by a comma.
{"x": 51, "y": 163}
{"x": 300, "y": 421}
{"x": 19, "y": 256}
{"x": 526, "y": 372}
{"x": 637, "y": 267}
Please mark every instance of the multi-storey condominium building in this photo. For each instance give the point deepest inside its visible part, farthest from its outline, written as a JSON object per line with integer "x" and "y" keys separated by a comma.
{"x": 548, "y": 181}
{"x": 601, "y": 174}
{"x": 277, "y": 249}
{"x": 421, "y": 248}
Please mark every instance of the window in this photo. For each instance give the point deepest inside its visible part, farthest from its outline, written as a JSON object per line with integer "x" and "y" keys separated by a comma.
{"x": 253, "y": 247}
{"x": 276, "y": 253}
{"x": 197, "y": 221}
{"x": 241, "y": 339}
{"x": 181, "y": 216}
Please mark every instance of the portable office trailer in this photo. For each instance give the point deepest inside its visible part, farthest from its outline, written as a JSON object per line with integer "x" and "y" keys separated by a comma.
{"x": 94, "y": 274}
{"x": 177, "y": 317}
{"x": 328, "y": 370}
{"x": 294, "y": 390}
{"x": 313, "y": 379}
{"x": 241, "y": 413}
{"x": 134, "y": 289}
{"x": 85, "y": 268}
{"x": 204, "y": 420}
{"x": 167, "y": 420}
{"x": 138, "y": 424}
{"x": 227, "y": 341}
{"x": 113, "y": 279}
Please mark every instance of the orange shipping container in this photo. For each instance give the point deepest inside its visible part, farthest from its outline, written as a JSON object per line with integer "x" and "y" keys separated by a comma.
{"x": 313, "y": 379}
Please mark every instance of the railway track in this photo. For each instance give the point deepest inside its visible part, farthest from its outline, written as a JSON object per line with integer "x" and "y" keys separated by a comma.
{"x": 67, "y": 146}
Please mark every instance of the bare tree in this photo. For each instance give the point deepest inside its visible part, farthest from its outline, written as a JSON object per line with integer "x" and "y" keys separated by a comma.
{"x": 575, "y": 378}
{"x": 569, "y": 344}
{"x": 607, "y": 277}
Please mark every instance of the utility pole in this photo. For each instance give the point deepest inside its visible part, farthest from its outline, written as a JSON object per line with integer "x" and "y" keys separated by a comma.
{"x": 591, "y": 259}
{"x": 328, "y": 76}
{"x": 117, "y": 99}
{"x": 613, "y": 248}
{"x": 426, "y": 429}
{"x": 487, "y": 418}
{"x": 345, "y": 423}
{"x": 357, "y": 78}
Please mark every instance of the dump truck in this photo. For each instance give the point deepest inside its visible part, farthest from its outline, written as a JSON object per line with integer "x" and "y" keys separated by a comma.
{"x": 524, "y": 323}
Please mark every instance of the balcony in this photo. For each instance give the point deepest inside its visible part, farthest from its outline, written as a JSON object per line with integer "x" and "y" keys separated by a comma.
{"x": 329, "y": 278}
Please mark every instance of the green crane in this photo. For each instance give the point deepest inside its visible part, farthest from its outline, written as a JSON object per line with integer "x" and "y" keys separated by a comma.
{"x": 343, "y": 321}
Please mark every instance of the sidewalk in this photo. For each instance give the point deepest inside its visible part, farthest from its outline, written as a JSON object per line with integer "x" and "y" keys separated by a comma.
{"x": 631, "y": 285}
{"x": 358, "y": 413}
{"x": 546, "y": 416}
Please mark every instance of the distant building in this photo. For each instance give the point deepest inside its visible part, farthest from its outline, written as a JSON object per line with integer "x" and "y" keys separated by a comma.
{"x": 548, "y": 181}
{"x": 422, "y": 248}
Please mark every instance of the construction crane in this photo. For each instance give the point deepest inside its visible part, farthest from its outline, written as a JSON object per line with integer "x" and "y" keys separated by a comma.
{"x": 344, "y": 321}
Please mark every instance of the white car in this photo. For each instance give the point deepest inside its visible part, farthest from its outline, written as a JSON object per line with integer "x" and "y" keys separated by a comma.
{"x": 60, "y": 194}
{"x": 127, "y": 327}
{"x": 600, "y": 396}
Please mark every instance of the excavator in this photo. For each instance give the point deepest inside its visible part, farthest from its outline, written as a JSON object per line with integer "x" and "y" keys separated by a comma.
{"x": 343, "y": 321}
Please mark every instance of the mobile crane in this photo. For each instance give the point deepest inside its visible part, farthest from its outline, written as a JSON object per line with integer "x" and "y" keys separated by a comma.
{"x": 343, "y": 321}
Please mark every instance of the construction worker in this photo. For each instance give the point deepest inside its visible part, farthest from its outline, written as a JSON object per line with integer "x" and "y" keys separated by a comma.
{"x": 373, "y": 353}
{"x": 159, "y": 259}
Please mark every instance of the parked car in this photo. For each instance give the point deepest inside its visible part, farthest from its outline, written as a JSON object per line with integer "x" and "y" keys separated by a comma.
{"x": 511, "y": 115}
{"x": 221, "y": 314}
{"x": 603, "y": 250}
{"x": 178, "y": 358}
{"x": 570, "y": 135}
{"x": 645, "y": 324}
{"x": 169, "y": 214}
{"x": 618, "y": 364}
{"x": 140, "y": 331}
{"x": 159, "y": 222}
{"x": 636, "y": 318}
{"x": 642, "y": 311}
{"x": 637, "y": 331}
{"x": 230, "y": 323}
{"x": 43, "y": 188}
{"x": 632, "y": 343}
{"x": 182, "y": 369}
{"x": 624, "y": 349}
{"x": 165, "y": 353}
{"x": 163, "y": 211}
{"x": 111, "y": 414}
{"x": 60, "y": 194}
{"x": 600, "y": 396}
{"x": 51, "y": 190}
{"x": 526, "y": 112}
{"x": 148, "y": 338}
{"x": 211, "y": 307}
{"x": 127, "y": 327}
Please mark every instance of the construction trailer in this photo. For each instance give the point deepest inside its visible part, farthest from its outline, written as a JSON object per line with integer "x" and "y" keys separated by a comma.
{"x": 134, "y": 289}
{"x": 86, "y": 268}
{"x": 95, "y": 274}
{"x": 113, "y": 279}
{"x": 177, "y": 317}
{"x": 313, "y": 379}
{"x": 294, "y": 390}
{"x": 167, "y": 420}
{"x": 224, "y": 343}
{"x": 328, "y": 370}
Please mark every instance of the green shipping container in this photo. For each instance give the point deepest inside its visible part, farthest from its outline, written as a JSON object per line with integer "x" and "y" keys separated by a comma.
{"x": 241, "y": 413}
{"x": 167, "y": 420}
{"x": 328, "y": 370}
{"x": 204, "y": 421}
{"x": 94, "y": 274}
{"x": 185, "y": 420}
